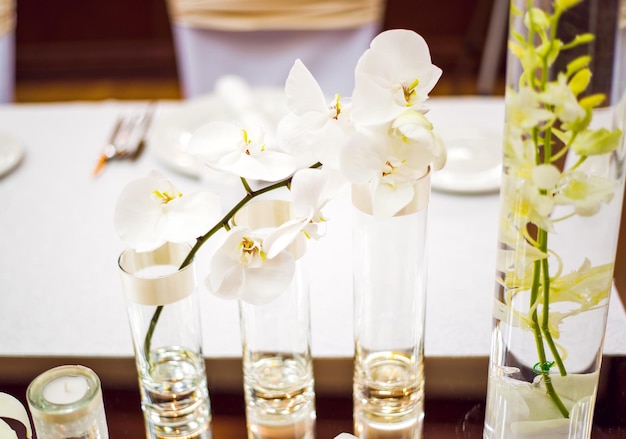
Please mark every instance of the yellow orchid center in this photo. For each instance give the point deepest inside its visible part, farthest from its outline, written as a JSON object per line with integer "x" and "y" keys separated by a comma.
{"x": 248, "y": 141}
{"x": 388, "y": 168}
{"x": 409, "y": 92}
{"x": 336, "y": 107}
{"x": 250, "y": 250}
{"x": 165, "y": 197}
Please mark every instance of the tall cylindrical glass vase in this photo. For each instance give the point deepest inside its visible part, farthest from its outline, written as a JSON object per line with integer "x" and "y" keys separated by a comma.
{"x": 163, "y": 313}
{"x": 390, "y": 271}
{"x": 276, "y": 347}
{"x": 561, "y": 201}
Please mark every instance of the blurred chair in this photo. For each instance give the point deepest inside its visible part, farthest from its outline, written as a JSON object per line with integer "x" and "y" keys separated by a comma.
{"x": 259, "y": 40}
{"x": 7, "y": 50}
{"x": 492, "y": 49}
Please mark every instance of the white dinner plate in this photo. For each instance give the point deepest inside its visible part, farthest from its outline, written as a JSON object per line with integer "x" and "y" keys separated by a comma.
{"x": 11, "y": 153}
{"x": 474, "y": 164}
{"x": 171, "y": 132}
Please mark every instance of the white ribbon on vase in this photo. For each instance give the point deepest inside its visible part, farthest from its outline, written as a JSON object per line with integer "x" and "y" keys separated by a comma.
{"x": 251, "y": 15}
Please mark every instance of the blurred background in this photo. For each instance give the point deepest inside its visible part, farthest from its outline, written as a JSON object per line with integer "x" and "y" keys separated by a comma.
{"x": 123, "y": 49}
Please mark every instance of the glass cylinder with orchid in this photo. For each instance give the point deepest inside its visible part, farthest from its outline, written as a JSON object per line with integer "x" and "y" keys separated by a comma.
{"x": 561, "y": 200}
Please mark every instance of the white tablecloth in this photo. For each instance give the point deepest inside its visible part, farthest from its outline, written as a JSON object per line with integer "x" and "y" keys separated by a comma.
{"x": 60, "y": 292}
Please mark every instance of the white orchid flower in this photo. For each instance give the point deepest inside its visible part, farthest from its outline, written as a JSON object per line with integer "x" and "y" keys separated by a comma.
{"x": 416, "y": 132}
{"x": 314, "y": 130}
{"x": 311, "y": 190}
{"x": 389, "y": 166}
{"x": 229, "y": 147}
{"x": 535, "y": 202}
{"x": 596, "y": 142}
{"x": 560, "y": 95}
{"x": 393, "y": 75}
{"x": 151, "y": 211}
{"x": 524, "y": 109}
{"x": 585, "y": 193}
{"x": 241, "y": 268}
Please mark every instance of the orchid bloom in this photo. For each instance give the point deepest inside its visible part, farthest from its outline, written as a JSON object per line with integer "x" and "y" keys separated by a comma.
{"x": 241, "y": 268}
{"x": 393, "y": 75}
{"x": 525, "y": 110}
{"x": 585, "y": 192}
{"x": 536, "y": 200}
{"x": 313, "y": 130}
{"x": 311, "y": 190}
{"x": 229, "y": 147}
{"x": 560, "y": 95}
{"x": 389, "y": 168}
{"x": 151, "y": 211}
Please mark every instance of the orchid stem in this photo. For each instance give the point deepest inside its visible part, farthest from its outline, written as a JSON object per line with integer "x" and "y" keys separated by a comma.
{"x": 223, "y": 223}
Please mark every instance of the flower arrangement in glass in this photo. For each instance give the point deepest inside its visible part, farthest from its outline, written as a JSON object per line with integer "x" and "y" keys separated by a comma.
{"x": 381, "y": 140}
{"x": 561, "y": 201}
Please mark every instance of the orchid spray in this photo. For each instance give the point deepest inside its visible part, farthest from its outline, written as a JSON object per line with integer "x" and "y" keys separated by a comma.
{"x": 381, "y": 138}
{"x": 549, "y": 119}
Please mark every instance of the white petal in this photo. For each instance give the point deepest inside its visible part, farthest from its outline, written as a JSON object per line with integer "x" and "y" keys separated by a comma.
{"x": 267, "y": 165}
{"x": 212, "y": 142}
{"x": 362, "y": 159}
{"x": 387, "y": 200}
{"x": 11, "y": 407}
{"x": 262, "y": 285}
{"x": 137, "y": 214}
{"x": 302, "y": 90}
{"x": 226, "y": 275}
{"x": 546, "y": 176}
{"x": 7, "y": 432}
{"x": 284, "y": 236}
{"x": 313, "y": 188}
{"x": 228, "y": 284}
{"x": 190, "y": 216}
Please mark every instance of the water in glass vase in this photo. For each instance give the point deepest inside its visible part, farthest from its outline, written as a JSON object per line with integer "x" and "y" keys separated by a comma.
{"x": 388, "y": 395}
{"x": 175, "y": 395}
{"x": 280, "y": 398}
{"x": 520, "y": 406}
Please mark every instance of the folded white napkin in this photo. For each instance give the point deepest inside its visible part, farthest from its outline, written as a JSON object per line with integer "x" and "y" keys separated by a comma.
{"x": 250, "y": 15}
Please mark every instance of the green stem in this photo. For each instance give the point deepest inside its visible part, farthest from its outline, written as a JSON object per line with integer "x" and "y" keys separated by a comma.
{"x": 541, "y": 267}
{"x": 223, "y": 223}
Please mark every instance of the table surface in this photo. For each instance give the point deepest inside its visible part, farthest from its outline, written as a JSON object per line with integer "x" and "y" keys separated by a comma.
{"x": 457, "y": 417}
{"x": 61, "y": 293}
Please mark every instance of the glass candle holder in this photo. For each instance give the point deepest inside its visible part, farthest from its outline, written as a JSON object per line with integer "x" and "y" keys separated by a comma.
{"x": 66, "y": 402}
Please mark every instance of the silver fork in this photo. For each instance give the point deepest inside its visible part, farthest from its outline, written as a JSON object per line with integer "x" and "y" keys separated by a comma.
{"x": 127, "y": 139}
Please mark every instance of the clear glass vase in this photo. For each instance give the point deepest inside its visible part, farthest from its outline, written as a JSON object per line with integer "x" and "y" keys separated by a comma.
{"x": 276, "y": 347}
{"x": 389, "y": 272}
{"x": 163, "y": 312}
{"x": 561, "y": 201}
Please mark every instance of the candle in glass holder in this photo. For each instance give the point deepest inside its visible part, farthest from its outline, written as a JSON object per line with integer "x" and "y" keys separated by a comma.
{"x": 66, "y": 402}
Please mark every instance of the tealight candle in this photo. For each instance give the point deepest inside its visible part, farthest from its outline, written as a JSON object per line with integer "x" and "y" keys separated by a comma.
{"x": 66, "y": 402}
